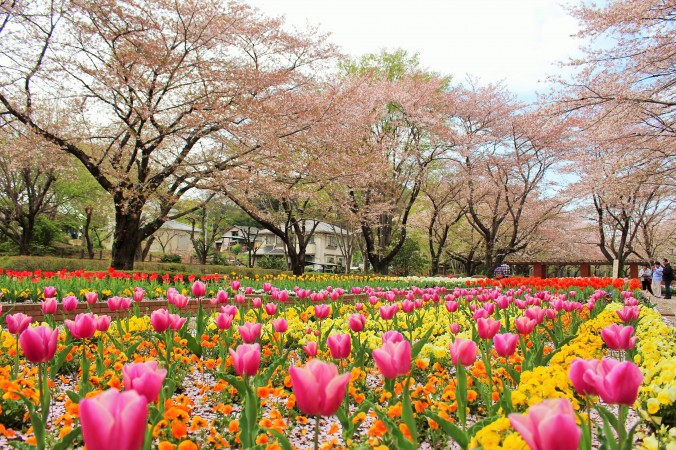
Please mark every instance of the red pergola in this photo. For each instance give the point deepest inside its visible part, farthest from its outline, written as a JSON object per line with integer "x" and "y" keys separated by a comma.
{"x": 540, "y": 267}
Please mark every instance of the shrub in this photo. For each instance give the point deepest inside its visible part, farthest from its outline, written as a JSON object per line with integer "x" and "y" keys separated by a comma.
{"x": 271, "y": 262}
{"x": 169, "y": 258}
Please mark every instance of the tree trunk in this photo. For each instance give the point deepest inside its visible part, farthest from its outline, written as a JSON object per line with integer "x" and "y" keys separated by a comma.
{"x": 89, "y": 244}
{"x": 297, "y": 260}
{"x": 125, "y": 238}
{"x": 26, "y": 237}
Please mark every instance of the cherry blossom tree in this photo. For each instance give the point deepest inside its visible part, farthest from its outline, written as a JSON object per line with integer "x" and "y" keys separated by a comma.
{"x": 157, "y": 94}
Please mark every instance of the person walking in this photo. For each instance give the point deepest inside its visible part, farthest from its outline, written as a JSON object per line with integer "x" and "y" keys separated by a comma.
{"x": 646, "y": 275}
{"x": 657, "y": 279}
{"x": 668, "y": 276}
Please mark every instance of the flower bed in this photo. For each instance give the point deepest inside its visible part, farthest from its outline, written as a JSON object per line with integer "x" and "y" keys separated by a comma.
{"x": 391, "y": 368}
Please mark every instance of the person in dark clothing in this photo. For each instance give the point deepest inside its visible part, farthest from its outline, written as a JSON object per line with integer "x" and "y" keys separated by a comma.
{"x": 668, "y": 277}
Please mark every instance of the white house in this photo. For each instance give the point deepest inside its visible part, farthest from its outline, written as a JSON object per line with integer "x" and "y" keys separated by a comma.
{"x": 322, "y": 252}
{"x": 173, "y": 238}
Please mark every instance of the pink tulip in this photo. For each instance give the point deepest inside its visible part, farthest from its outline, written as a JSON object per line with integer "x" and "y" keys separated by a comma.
{"x": 171, "y": 292}
{"x": 125, "y": 303}
{"x": 257, "y": 302}
{"x": 358, "y": 306}
{"x": 524, "y": 325}
{"x": 407, "y": 306}
{"x": 505, "y": 344}
{"x": 49, "y": 306}
{"x": 248, "y": 290}
{"x": 83, "y": 327}
{"x": 373, "y": 300}
{"x": 616, "y": 382}
{"x": 103, "y": 323}
{"x": 160, "y": 321}
{"x": 250, "y": 332}
{"x": 270, "y": 309}
{"x": 628, "y": 313}
{"x": 235, "y": 285}
{"x": 392, "y": 336}
{"x": 283, "y": 296}
{"x": 69, "y": 303}
{"x": 463, "y": 351}
{"x": 91, "y": 297}
{"x": 240, "y": 298}
{"x": 311, "y": 348}
{"x": 176, "y": 321}
{"x": 280, "y": 325}
{"x": 487, "y": 328}
{"x": 138, "y": 294}
{"x": 318, "y": 388}
{"x": 480, "y": 314}
{"x": 393, "y": 359}
{"x": 230, "y": 310}
{"x": 267, "y": 287}
{"x": 339, "y": 345}
{"x": 356, "y": 322}
{"x": 17, "y": 323}
{"x": 451, "y": 306}
{"x": 387, "y": 312}
{"x": 144, "y": 378}
{"x": 246, "y": 359}
{"x": 49, "y": 292}
{"x": 322, "y": 311}
{"x": 114, "y": 420}
{"x": 114, "y": 303}
{"x": 223, "y": 321}
{"x": 455, "y": 328}
{"x": 199, "y": 289}
{"x": 221, "y": 297}
{"x": 181, "y": 301}
{"x": 39, "y": 344}
{"x": 618, "y": 337}
{"x": 549, "y": 425}
{"x": 582, "y": 374}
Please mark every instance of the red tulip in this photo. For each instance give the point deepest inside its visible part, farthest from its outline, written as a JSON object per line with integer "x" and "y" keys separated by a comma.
{"x": 487, "y": 328}
{"x": 69, "y": 303}
{"x": 246, "y": 359}
{"x": 505, "y": 344}
{"x": 199, "y": 289}
{"x": 618, "y": 337}
{"x": 39, "y": 344}
{"x": 250, "y": 332}
{"x": 339, "y": 345}
{"x": 83, "y": 327}
{"x": 463, "y": 351}
{"x": 17, "y": 323}
{"x": 144, "y": 378}
{"x": 49, "y": 306}
{"x": 114, "y": 420}
{"x": 318, "y": 388}
{"x": 549, "y": 425}
{"x": 393, "y": 359}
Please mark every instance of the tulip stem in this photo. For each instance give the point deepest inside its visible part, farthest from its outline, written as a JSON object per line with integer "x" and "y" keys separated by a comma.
{"x": 15, "y": 369}
{"x": 316, "y": 439}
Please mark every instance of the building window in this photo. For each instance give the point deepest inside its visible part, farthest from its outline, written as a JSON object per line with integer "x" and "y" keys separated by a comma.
{"x": 332, "y": 242}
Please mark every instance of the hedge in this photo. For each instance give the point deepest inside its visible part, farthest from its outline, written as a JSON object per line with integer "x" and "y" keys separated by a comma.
{"x": 53, "y": 264}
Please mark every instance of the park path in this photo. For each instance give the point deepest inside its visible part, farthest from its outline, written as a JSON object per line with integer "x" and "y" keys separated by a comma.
{"x": 666, "y": 307}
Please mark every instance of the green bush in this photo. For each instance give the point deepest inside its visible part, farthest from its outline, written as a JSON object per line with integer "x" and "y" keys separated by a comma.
{"x": 170, "y": 258}
{"x": 52, "y": 264}
{"x": 271, "y": 262}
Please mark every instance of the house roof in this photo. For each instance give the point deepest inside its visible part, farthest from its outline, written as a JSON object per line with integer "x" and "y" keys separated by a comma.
{"x": 177, "y": 226}
{"x": 322, "y": 227}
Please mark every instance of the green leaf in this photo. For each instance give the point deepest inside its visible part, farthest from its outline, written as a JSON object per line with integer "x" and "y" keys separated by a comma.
{"x": 193, "y": 345}
{"x": 200, "y": 324}
{"x": 282, "y": 440}
{"x": 130, "y": 350}
{"x": 68, "y": 439}
{"x": 59, "y": 360}
{"x": 459, "y": 436}
{"x": 74, "y": 397}
{"x": 417, "y": 348}
{"x": 607, "y": 416}
{"x": 236, "y": 382}
{"x": 407, "y": 413}
{"x": 400, "y": 439}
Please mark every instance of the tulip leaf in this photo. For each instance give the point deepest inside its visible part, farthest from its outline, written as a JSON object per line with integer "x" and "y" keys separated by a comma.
{"x": 236, "y": 382}
{"x": 200, "y": 323}
{"x": 407, "y": 412}
{"x": 74, "y": 397}
{"x": 130, "y": 350}
{"x": 193, "y": 345}
{"x": 59, "y": 360}
{"x": 282, "y": 440}
{"x": 417, "y": 348}
{"x": 68, "y": 439}
{"x": 400, "y": 439}
{"x": 459, "y": 436}
{"x": 608, "y": 416}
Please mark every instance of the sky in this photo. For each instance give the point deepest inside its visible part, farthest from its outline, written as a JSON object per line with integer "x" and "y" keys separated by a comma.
{"x": 518, "y": 42}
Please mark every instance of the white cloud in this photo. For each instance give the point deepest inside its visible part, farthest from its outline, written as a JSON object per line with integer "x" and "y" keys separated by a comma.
{"x": 517, "y": 41}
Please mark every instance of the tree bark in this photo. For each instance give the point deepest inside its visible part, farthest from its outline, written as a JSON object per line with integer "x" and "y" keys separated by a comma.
{"x": 125, "y": 238}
